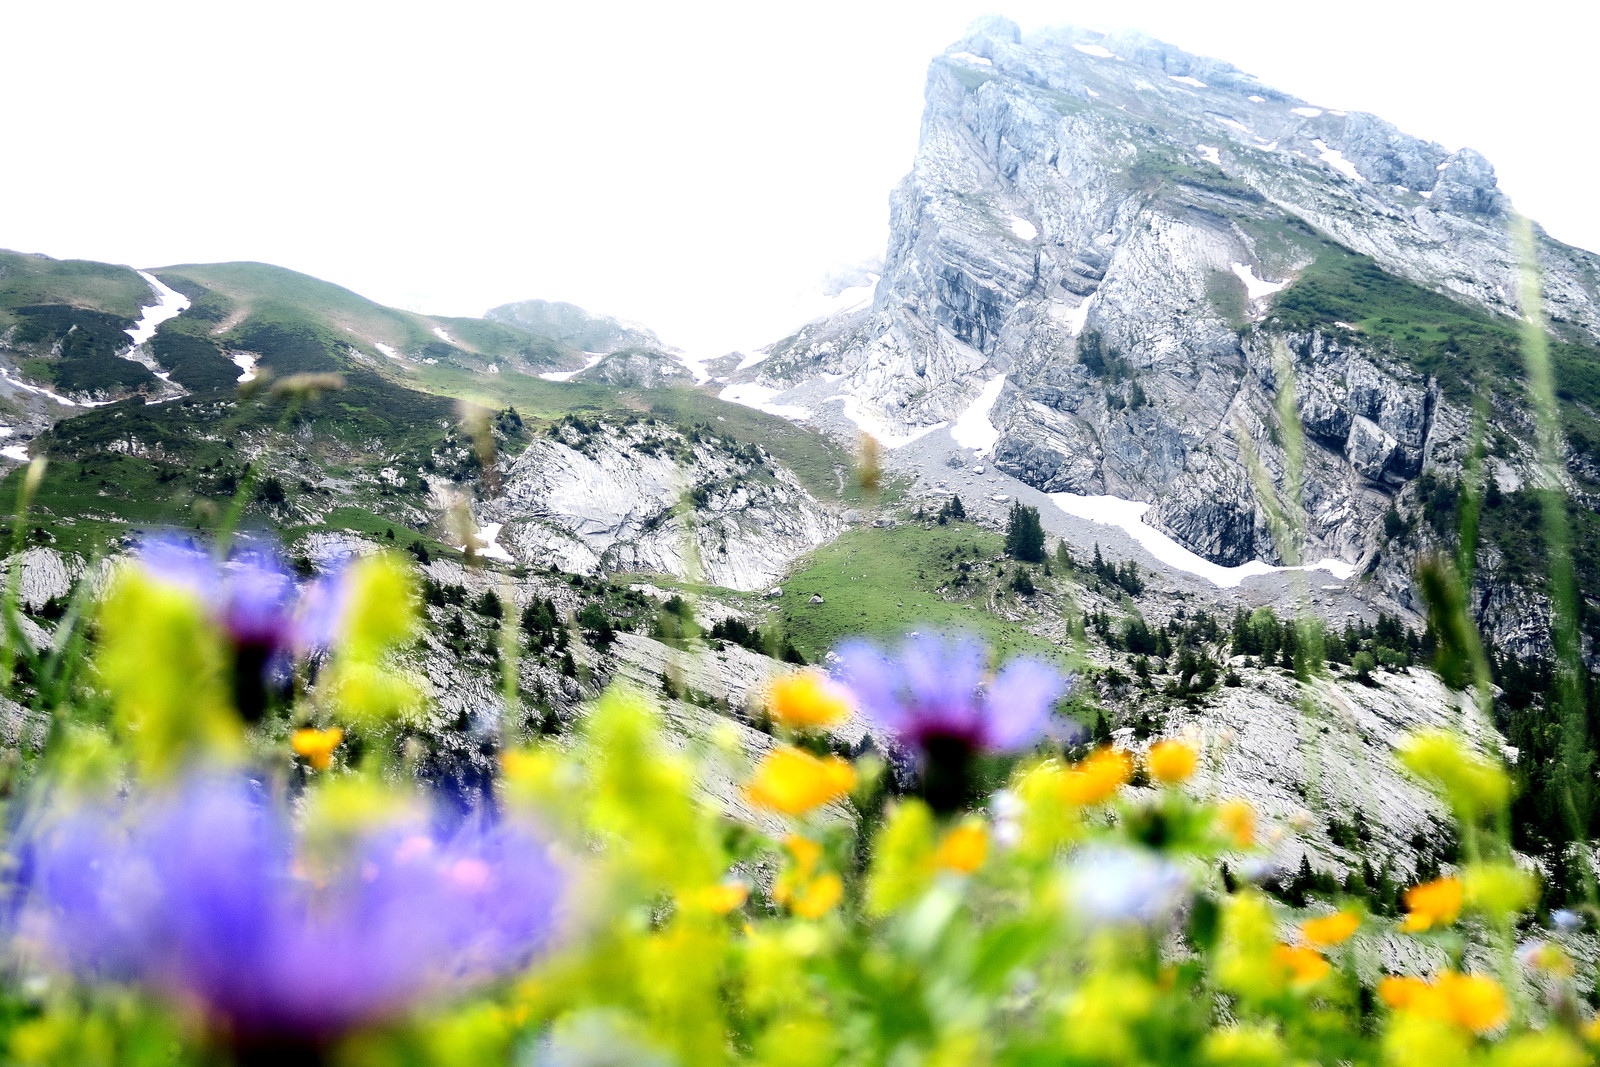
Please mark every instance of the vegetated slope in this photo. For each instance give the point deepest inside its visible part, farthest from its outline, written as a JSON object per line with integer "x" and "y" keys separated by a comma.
{"x": 64, "y": 323}
{"x": 236, "y": 292}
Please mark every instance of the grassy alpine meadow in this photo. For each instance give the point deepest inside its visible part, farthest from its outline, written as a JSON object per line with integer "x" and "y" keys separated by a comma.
{"x": 225, "y": 852}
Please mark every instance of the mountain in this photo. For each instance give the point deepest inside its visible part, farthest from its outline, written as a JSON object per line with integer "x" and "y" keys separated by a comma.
{"x": 1111, "y": 267}
{"x": 573, "y": 326}
{"x": 1104, "y": 240}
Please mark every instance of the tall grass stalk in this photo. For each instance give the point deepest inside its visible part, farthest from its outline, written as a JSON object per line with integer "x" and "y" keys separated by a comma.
{"x": 1561, "y": 588}
{"x": 14, "y": 637}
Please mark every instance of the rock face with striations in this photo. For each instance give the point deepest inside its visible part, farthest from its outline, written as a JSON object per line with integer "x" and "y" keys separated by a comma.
{"x": 1107, "y": 223}
{"x": 642, "y": 496}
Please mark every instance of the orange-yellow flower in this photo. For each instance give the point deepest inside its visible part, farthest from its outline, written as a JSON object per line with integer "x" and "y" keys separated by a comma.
{"x": 1304, "y": 965}
{"x": 1472, "y": 1001}
{"x": 817, "y": 897}
{"x": 722, "y": 898}
{"x": 807, "y": 894}
{"x": 316, "y": 746}
{"x": 1237, "y": 820}
{"x": 1329, "y": 930}
{"x": 1097, "y": 778}
{"x": 807, "y": 700}
{"x": 793, "y": 782}
{"x": 1431, "y": 904}
{"x": 963, "y": 848}
{"x": 1401, "y": 991}
{"x": 1172, "y": 761}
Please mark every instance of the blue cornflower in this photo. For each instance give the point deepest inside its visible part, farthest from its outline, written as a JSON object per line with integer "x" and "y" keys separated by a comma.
{"x": 936, "y": 699}
{"x": 204, "y": 896}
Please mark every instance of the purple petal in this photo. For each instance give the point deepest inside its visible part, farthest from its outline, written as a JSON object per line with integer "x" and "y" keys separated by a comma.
{"x": 1019, "y": 703}
{"x": 874, "y": 682}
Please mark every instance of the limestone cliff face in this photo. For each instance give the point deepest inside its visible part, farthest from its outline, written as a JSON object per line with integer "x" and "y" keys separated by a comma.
{"x": 645, "y": 497}
{"x": 1105, "y": 222}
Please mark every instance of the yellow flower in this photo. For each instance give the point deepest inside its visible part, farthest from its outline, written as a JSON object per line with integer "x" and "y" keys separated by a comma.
{"x": 317, "y": 745}
{"x": 1476, "y": 1001}
{"x": 1172, "y": 761}
{"x": 793, "y": 782}
{"x": 963, "y": 848}
{"x": 1401, "y": 991}
{"x": 1304, "y": 965}
{"x": 1431, "y": 904}
{"x": 1471, "y": 1001}
{"x": 817, "y": 897}
{"x": 807, "y": 700}
{"x": 1330, "y": 929}
{"x": 722, "y": 898}
{"x": 1097, "y": 778}
{"x": 807, "y": 896}
{"x": 1237, "y": 820}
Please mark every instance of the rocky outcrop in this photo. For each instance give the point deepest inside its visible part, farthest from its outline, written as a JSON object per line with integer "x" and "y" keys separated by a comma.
{"x": 1104, "y": 220}
{"x": 643, "y": 496}
{"x": 637, "y": 368}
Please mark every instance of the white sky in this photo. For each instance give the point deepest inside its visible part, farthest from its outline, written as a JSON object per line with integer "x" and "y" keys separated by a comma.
{"x": 694, "y": 168}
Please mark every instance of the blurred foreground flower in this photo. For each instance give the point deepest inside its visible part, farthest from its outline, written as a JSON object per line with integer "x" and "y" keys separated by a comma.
{"x": 1106, "y": 884}
{"x": 934, "y": 698}
{"x": 792, "y": 781}
{"x": 808, "y": 700}
{"x": 254, "y": 603}
{"x": 1172, "y": 761}
{"x": 204, "y": 896}
{"x": 1327, "y": 930}
{"x": 316, "y": 746}
{"x": 1436, "y": 903}
{"x": 1473, "y": 1001}
{"x": 1097, "y": 778}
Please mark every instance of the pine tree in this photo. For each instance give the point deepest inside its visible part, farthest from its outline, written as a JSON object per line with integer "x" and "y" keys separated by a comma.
{"x": 1024, "y": 534}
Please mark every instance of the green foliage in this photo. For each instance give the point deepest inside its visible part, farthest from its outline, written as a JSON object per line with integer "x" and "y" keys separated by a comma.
{"x": 1024, "y": 534}
{"x": 882, "y": 582}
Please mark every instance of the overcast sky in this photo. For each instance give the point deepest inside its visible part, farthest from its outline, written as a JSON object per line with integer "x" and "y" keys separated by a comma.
{"x": 697, "y": 168}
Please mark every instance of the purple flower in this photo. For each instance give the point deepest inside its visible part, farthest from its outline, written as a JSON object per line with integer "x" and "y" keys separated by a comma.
{"x": 254, "y": 601}
{"x": 204, "y": 896}
{"x": 935, "y": 695}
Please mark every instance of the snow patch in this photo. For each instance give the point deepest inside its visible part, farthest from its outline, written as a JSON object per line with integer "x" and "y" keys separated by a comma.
{"x": 1335, "y": 159}
{"x": 1443, "y": 165}
{"x": 386, "y": 350}
{"x": 1184, "y": 79}
{"x": 1341, "y": 114}
{"x": 1426, "y": 194}
{"x": 869, "y": 423}
{"x": 1074, "y": 317}
{"x": 1098, "y": 51}
{"x": 16, "y": 452}
{"x": 968, "y": 57}
{"x": 751, "y": 395}
{"x": 1091, "y": 92}
{"x": 169, "y": 304}
{"x": 488, "y": 545}
{"x": 1211, "y": 155}
{"x": 1255, "y": 287}
{"x": 438, "y": 331}
{"x": 1023, "y": 228}
{"x": 1273, "y": 147}
{"x": 1306, "y": 112}
{"x": 1257, "y": 99}
{"x": 973, "y": 429}
{"x": 1128, "y": 515}
{"x": 246, "y": 364}
{"x": 566, "y": 375}
{"x": 753, "y": 358}
{"x": 57, "y": 397}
